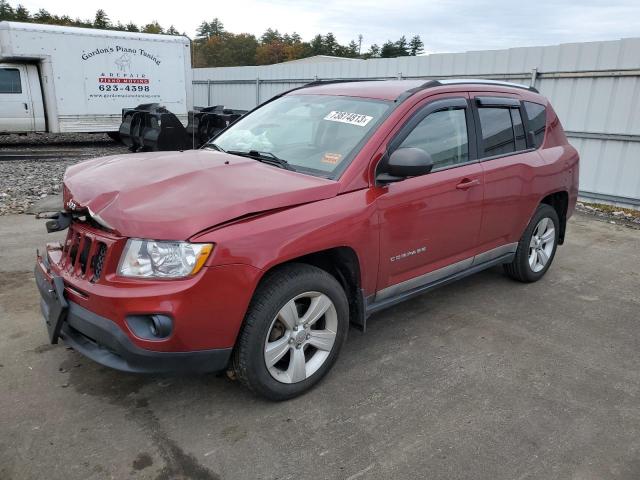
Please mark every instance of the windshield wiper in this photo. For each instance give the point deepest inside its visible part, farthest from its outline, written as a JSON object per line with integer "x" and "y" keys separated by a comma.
{"x": 215, "y": 147}
{"x": 264, "y": 157}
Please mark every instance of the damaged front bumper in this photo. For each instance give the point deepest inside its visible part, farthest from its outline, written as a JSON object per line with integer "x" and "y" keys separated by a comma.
{"x": 102, "y": 341}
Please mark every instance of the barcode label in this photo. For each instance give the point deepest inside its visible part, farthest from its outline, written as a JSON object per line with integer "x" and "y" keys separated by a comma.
{"x": 350, "y": 118}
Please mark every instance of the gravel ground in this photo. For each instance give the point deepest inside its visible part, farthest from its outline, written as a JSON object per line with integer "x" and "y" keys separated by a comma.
{"x": 611, "y": 213}
{"x": 23, "y": 182}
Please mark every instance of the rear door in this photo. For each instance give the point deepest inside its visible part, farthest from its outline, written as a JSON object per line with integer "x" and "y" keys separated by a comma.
{"x": 509, "y": 163}
{"x": 16, "y": 109}
{"x": 430, "y": 224}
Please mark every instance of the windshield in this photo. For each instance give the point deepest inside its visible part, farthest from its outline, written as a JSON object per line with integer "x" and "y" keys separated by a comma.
{"x": 315, "y": 134}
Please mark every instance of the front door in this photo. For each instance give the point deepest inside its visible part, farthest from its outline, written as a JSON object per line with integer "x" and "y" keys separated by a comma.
{"x": 16, "y": 110}
{"x": 430, "y": 224}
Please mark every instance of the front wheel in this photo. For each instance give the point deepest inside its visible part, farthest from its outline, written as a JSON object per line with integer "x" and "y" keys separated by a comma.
{"x": 295, "y": 327}
{"x": 537, "y": 247}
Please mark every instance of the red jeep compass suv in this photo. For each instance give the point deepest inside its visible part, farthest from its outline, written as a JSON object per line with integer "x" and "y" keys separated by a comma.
{"x": 315, "y": 210}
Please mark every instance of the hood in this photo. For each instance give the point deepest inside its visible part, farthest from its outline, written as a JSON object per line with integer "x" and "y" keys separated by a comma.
{"x": 174, "y": 195}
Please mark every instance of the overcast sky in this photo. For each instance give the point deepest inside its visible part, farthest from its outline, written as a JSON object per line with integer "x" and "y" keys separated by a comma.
{"x": 445, "y": 26}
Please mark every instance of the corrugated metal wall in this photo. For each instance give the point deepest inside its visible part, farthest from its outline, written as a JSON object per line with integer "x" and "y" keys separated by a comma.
{"x": 594, "y": 87}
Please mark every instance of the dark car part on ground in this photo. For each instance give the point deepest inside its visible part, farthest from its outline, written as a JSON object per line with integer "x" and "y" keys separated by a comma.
{"x": 206, "y": 122}
{"x": 151, "y": 127}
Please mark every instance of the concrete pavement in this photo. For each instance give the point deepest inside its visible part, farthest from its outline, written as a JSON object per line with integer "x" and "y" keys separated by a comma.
{"x": 482, "y": 379}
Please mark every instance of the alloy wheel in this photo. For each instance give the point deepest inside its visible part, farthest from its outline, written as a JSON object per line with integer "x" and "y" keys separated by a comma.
{"x": 301, "y": 337}
{"x": 542, "y": 244}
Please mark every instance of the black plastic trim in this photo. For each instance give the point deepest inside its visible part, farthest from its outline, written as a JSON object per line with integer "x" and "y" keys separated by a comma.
{"x": 510, "y": 154}
{"x": 428, "y": 84}
{"x": 373, "y": 306}
{"x": 102, "y": 341}
{"x": 498, "y": 102}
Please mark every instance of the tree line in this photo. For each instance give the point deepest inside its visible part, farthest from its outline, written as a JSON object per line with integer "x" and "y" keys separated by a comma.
{"x": 214, "y": 46}
{"x": 101, "y": 20}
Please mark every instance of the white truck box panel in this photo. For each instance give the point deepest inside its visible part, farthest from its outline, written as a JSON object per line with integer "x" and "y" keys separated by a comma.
{"x": 89, "y": 75}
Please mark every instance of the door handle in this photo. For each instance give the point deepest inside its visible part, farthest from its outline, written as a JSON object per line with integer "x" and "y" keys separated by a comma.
{"x": 26, "y": 106}
{"x": 467, "y": 183}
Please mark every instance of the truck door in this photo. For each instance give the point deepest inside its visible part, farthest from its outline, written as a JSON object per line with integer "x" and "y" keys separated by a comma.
{"x": 16, "y": 105}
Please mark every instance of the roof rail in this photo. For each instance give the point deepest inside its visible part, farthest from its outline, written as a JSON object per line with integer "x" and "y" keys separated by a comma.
{"x": 481, "y": 81}
{"x": 338, "y": 80}
{"x": 428, "y": 84}
{"x": 404, "y": 95}
{"x": 316, "y": 83}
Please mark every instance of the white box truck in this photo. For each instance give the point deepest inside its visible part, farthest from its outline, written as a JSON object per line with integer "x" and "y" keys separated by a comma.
{"x": 67, "y": 79}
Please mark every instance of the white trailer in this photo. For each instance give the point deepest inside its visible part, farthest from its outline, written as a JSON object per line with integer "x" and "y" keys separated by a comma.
{"x": 67, "y": 79}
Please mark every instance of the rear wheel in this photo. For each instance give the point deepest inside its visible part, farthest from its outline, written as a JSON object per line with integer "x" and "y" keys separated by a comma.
{"x": 296, "y": 324}
{"x": 537, "y": 247}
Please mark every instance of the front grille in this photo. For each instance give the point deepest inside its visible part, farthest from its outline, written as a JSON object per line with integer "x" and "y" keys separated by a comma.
{"x": 97, "y": 262}
{"x": 84, "y": 254}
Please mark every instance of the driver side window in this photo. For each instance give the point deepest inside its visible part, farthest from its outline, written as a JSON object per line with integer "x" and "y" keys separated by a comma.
{"x": 442, "y": 134}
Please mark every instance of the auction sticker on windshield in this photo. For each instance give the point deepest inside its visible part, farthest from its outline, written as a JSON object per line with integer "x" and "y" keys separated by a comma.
{"x": 350, "y": 118}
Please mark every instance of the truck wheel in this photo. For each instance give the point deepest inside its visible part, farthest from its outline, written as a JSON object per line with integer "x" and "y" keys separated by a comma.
{"x": 294, "y": 329}
{"x": 537, "y": 247}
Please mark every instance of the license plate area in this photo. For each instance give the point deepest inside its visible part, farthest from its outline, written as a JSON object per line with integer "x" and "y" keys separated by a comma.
{"x": 55, "y": 304}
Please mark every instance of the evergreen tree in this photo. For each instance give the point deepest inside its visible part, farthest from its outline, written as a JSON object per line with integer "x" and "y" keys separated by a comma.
{"x": 317, "y": 45}
{"x": 402, "y": 47}
{"x": 353, "y": 49}
{"x": 416, "y": 46}
{"x": 270, "y": 36}
{"x": 153, "y": 27}
{"x": 22, "y": 14}
{"x": 42, "y": 16}
{"x": 101, "y": 20}
{"x": 6, "y": 11}
{"x": 374, "y": 51}
{"x": 388, "y": 50}
{"x": 216, "y": 27}
{"x": 330, "y": 44}
{"x": 210, "y": 29}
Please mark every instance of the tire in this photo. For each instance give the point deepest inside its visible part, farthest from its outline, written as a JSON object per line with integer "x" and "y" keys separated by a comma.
{"x": 258, "y": 359}
{"x": 526, "y": 266}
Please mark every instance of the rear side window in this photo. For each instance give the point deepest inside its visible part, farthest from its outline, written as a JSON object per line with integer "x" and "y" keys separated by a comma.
{"x": 537, "y": 118}
{"x": 442, "y": 134}
{"x": 497, "y": 131}
{"x": 10, "y": 80}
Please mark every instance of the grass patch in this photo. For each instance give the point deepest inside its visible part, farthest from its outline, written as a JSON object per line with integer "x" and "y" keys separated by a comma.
{"x": 609, "y": 209}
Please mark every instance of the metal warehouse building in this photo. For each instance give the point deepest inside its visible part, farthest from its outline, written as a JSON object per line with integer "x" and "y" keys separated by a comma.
{"x": 594, "y": 87}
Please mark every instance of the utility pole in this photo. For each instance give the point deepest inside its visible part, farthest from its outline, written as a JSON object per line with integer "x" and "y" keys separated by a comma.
{"x": 359, "y": 44}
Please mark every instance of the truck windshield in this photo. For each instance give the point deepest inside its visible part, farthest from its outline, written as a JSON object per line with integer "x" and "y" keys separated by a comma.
{"x": 315, "y": 134}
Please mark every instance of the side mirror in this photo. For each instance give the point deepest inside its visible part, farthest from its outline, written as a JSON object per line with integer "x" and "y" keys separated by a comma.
{"x": 403, "y": 163}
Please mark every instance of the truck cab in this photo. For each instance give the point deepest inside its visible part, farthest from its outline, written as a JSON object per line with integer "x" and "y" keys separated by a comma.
{"x": 21, "y": 107}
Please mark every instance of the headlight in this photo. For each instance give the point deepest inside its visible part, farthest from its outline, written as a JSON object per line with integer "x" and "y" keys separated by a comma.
{"x": 161, "y": 259}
